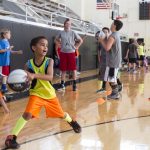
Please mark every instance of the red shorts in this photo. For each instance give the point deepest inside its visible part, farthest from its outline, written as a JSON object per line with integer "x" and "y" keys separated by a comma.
{"x": 67, "y": 61}
{"x": 5, "y": 70}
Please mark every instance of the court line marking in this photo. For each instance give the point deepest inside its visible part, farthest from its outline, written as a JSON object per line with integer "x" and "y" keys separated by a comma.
{"x": 118, "y": 120}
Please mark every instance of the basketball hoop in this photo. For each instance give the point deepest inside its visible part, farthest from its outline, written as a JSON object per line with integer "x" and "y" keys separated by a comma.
{"x": 119, "y": 17}
{"x": 123, "y": 16}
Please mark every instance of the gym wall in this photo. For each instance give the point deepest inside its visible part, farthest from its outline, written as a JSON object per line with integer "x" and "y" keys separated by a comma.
{"x": 23, "y": 33}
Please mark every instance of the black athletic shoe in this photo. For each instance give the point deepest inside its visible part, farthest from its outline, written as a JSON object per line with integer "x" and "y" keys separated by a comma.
{"x": 113, "y": 96}
{"x": 76, "y": 127}
{"x": 101, "y": 90}
{"x": 62, "y": 87}
{"x": 74, "y": 87}
{"x": 120, "y": 87}
{"x": 10, "y": 142}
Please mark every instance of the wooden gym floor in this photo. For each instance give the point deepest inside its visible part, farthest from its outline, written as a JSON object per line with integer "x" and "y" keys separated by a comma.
{"x": 113, "y": 125}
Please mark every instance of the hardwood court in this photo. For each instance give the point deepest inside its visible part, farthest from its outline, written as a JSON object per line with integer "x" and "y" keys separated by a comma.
{"x": 114, "y": 125}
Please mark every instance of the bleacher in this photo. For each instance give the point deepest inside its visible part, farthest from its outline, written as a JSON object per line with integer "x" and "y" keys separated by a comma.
{"x": 45, "y": 12}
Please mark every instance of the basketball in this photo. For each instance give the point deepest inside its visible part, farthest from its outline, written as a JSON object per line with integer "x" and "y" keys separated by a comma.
{"x": 100, "y": 34}
{"x": 17, "y": 80}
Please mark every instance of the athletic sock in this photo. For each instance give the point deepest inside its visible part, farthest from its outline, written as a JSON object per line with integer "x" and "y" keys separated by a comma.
{"x": 19, "y": 126}
{"x": 67, "y": 118}
{"x": 74, "y": 82}
{"x": 62, "y": 82}
{"x": 104, "y": 85}
{"x": 118, "y": 82}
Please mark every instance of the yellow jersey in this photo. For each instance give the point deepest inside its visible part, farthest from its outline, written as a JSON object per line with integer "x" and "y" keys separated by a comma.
{"x": 41, "y": 88}
{"x": 141, "y": 50}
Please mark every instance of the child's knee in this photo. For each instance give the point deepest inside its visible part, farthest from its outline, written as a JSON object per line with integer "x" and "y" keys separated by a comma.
{"x": 27, "y": 116}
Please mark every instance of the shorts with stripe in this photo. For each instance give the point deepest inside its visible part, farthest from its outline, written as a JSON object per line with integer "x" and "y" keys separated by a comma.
{"x": 111, "y": 74}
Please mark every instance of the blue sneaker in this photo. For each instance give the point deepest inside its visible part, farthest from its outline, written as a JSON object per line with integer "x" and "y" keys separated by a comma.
{"x": 4, "y": 88}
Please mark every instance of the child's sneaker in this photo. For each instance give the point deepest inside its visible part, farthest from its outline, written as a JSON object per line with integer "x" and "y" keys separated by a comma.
{"x": 4, "y": 88}
{"x": 62, "y": 87}
{"x": 120, "y": 87}
{"x": 76, "y": 127}
{"x": 113, "y": 96}
{"x": 10, "y": 142}
{"x": 102, "y": 90}
{"x": 134, "y": 71}
{"x": 74, "y": 87}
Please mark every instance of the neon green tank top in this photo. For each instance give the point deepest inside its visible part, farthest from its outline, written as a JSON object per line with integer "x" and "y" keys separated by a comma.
{"x": 41, "y": 88}
{"x": 141, "y": 50}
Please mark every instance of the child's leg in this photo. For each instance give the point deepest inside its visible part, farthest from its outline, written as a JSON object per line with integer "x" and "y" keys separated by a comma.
{"x": 76, "y": 127}
{"x": 33, "y": 108}
{"x": 2, "y": 101}
{"x": 5, "y": 71}
{"x": 54, "y": 109}
{"x": 4, "y": 85}
{"x": 21, "y": 122}
{"x": 10, "y": 141}
{"x": 67, "y": 117}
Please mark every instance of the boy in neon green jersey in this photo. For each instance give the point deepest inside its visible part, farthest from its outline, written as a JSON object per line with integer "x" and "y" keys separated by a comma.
{"x": 40, "y": 73}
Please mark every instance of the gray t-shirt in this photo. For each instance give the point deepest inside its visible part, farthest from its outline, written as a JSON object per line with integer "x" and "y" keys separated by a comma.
{"x": 132, "y": 51}
{"x": 114, "y": 56}
{"x": 102, "y": 55}
{"x": 68, "y": 39}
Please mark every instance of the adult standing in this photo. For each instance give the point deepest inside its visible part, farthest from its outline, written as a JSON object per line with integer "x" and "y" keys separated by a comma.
{"x": 68, "y": 39}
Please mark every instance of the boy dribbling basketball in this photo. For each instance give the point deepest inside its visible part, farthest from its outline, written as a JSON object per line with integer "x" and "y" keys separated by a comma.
{"x": 40, "y": 73}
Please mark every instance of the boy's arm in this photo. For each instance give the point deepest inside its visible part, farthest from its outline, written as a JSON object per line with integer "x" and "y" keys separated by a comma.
{"x": 4, "y": 50}
{"x": 17, "y": 52}
{"x": 78, "y": 40}
{"x": 127, "y": 54}
{"x": 107, "y": 44}
{"x": 99, "y": 55}
{"x": 78, "y": 44}
{"x": 57, "y": 39}
{"x": 47, "y": 77}
{"x": 56, "y": 50}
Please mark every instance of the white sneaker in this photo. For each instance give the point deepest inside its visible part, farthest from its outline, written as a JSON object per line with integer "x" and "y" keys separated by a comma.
{"x": 78, "y": 73}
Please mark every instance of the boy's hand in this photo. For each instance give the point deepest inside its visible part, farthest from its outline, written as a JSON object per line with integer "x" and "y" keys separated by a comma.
{"x": 30, "y": 76}
{"x": 11, "y": 47}
{"x": 20, "y": 52}
{"x": 100, "y": 39}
